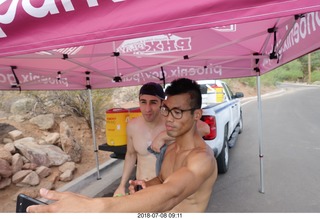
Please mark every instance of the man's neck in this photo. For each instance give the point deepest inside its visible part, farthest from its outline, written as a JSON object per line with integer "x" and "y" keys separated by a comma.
{"x": 159, "y": 120}
{"x": 187, "y": 140}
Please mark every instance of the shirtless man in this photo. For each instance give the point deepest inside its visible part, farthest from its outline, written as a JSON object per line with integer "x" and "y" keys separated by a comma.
{"x": 140, "y": 133}
{"x": 146, "y": 130}
{"x": 187, "y": 175}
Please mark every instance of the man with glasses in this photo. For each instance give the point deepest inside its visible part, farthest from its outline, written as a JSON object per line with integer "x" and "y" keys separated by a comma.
{"x": 187, "y": 175}
{"x": 147, "y": 130}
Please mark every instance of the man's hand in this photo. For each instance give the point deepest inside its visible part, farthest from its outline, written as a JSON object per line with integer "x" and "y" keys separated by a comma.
{"x": 157, "y": 143}
{"x": 65, "y": 202}
{"x": 134, "y": 184}
{"x": 119, "y": 192}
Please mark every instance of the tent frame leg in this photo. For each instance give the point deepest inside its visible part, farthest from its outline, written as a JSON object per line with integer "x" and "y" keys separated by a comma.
{"x": 261, "y": 189}
{"x": 95, "y": 149}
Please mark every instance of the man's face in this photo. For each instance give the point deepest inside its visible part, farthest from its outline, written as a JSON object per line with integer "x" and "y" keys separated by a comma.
{"x": 149, "y": 106}
{"x": 177, "y": 127}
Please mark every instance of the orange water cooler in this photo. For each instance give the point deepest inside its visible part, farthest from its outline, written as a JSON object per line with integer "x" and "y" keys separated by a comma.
{"x": 134, "y": 112}
{"x": 116, "y": 124}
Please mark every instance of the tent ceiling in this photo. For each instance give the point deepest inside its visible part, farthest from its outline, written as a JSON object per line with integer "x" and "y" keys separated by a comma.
{"x": 261, "y": 40}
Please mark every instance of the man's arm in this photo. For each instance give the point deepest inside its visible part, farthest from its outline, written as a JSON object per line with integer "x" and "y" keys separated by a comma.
{"x": 203, "y": 128}
{"x": 129, "y": 163}
{"x": 158, "y": 198}
{"x": 161, "y": 139}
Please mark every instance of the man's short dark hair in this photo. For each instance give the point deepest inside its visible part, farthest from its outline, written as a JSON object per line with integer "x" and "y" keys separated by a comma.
{"x": 185, "y": 85}
{"x": 152, "y": 89}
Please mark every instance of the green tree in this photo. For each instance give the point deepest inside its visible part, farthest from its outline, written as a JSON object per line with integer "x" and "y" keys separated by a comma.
{"x": 315, "y": 63}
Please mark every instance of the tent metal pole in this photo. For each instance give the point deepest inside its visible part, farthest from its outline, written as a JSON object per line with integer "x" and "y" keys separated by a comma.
{"x": 94, "y": 134}
{"x": 261, "y": 189}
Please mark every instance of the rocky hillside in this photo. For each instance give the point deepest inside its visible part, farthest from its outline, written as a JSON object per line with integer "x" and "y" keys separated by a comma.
{"x": 42, "y": 150}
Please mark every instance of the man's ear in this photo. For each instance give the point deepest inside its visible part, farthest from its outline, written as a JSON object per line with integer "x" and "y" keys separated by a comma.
{"x": 198, "y": 114}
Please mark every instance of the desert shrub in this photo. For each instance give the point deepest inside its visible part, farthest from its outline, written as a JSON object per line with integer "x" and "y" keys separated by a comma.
{"x": 78, "y": 103}
{"x": 315, "y": 76}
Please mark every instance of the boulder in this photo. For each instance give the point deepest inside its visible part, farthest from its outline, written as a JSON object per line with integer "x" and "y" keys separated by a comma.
{"x": 42, "y": 155}
{"x": 5, "y": 168}
{"x": 44, "y": 122}
{"x": 69, "y": 144}
{"x": 22, "y": 106}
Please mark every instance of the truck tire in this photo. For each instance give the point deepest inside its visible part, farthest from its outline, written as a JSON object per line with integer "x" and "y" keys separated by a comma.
{"x": 223, "y": 158}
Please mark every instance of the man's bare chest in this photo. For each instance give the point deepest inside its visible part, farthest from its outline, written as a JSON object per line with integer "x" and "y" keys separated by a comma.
{"x": 172, "y": 162}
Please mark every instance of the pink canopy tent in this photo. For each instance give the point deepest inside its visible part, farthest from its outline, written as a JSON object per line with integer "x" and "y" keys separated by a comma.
{"x": 74, "y": 45}
{"x": 55, "y": 45}
{"x": 238, "y": 50}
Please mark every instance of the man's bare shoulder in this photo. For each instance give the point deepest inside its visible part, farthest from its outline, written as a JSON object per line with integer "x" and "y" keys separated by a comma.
{"x": 137, "y": 128}
{"x": 138, "y": 121}
{"x": 202, "y": 156}
{"x": 202, "y": 151}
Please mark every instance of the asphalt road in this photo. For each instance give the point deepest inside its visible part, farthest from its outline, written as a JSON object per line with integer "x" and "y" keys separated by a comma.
{"x": 291, "y": 149}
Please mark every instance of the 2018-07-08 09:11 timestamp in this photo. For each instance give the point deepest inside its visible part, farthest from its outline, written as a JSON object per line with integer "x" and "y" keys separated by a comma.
{"x": 159, "y": 215}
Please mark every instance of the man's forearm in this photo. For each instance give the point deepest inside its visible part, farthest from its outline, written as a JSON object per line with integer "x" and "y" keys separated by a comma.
{"x": 155, "y": 181}
{"x": 129, "y": 165}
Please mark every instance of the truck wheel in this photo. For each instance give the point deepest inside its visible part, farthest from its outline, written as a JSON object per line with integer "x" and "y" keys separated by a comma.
{"x": 240, "y": 124}
{"x": 223, "y": 158}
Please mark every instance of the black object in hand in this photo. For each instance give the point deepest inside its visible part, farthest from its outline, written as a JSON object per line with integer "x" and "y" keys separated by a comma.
{"x": 23, "y": 201}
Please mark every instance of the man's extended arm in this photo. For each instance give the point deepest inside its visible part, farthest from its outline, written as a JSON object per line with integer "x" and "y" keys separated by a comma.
{"x": 158, "y": 198}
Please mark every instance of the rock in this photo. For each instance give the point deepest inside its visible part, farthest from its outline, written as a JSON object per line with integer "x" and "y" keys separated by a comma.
{"x": 25, "y": 160}
{"x": 6, "y": 155}
{"x": 7, "y": 140}
{"x": 52, "y": 138}
{"x": 29, "y": 166}
{"x": 42, "y": 155}
{"x": 15, "y": 135}
{"x": 5, "y": 168}
{"x": 69, "y": 144}
{"x": 32, "y": 179}
{"x": 66, "y": 176}
{"x": 67, "y": 166}
{"x": 22, "y": 106}
{"x": 42, "y": 142}
{"x": 44, "y": 122}
{"x": 17, "y": 163}
{"x": 49, "y": 182}
{"x": 9, "y": 146}
{"x": 43, "y": 171}
{"x": 5, "y": 182}
{"x": 20, "y": 175}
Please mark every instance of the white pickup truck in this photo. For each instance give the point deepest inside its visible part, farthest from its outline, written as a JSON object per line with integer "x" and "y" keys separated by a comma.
{"x": 222, "y": 111}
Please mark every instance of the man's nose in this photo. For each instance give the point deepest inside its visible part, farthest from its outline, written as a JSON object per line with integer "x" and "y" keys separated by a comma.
{"x": 148, "y": 107}
{"x": 169, "y": 117}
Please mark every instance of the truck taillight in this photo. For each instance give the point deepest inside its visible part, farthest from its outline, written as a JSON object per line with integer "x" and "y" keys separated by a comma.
{"x": 211, "y": 121}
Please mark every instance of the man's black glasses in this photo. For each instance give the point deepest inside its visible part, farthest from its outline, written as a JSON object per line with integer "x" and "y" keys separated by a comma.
{"x": 175, "y": 112}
